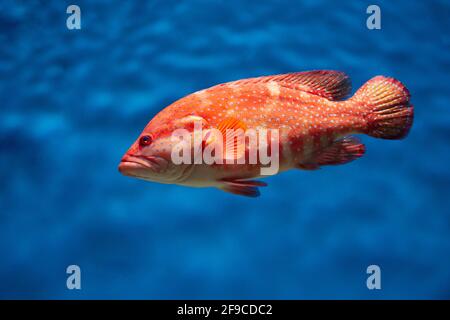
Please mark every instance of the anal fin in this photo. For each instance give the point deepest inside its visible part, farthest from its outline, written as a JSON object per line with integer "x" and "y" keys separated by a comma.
{"x": 340, "y": 152}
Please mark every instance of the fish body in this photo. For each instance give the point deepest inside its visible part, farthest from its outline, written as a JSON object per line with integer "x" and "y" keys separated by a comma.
{"x": 306, "y": 110}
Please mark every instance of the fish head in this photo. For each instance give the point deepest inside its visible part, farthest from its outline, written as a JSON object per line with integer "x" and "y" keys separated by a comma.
{"x": 150, "y": 156}
{"x": 147, "y": 158}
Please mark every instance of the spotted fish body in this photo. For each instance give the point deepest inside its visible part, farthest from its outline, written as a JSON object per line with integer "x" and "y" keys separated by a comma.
{"x": 307, "y": 108}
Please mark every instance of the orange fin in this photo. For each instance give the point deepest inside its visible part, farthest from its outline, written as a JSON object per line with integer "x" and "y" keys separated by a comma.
{"x": 233, "y": 131}
{"x": 246, "y": 188}
{"x": 230, "y": 123}
{"x": 333, "y": 85}
{"x": 389, "y": 112}
{"x": 340, "y": 152}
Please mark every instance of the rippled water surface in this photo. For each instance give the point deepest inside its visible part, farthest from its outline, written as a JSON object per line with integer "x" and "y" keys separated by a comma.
{"x": 73, "y": 101}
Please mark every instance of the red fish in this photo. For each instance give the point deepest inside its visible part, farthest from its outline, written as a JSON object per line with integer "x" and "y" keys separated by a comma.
{"x": 308, "y": 110}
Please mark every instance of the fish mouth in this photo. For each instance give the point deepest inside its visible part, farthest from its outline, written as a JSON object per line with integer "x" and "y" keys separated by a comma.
{"x": 137, "y": 166}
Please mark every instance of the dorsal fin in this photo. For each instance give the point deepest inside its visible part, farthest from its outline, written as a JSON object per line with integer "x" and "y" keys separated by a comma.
{"x": 333, "y": 85}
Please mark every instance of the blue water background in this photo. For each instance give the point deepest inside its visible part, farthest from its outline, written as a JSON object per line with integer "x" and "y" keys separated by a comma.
{"x": 73, "y": 101}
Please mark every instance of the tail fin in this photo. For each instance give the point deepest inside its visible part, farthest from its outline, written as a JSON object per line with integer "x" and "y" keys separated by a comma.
{"x": 390, "y": 115}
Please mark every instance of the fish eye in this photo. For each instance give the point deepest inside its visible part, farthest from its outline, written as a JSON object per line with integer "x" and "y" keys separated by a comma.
{"x": 145, "y": 140}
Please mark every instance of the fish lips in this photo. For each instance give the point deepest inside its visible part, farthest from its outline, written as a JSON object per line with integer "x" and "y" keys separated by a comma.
{"x": 140, "y": 166}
